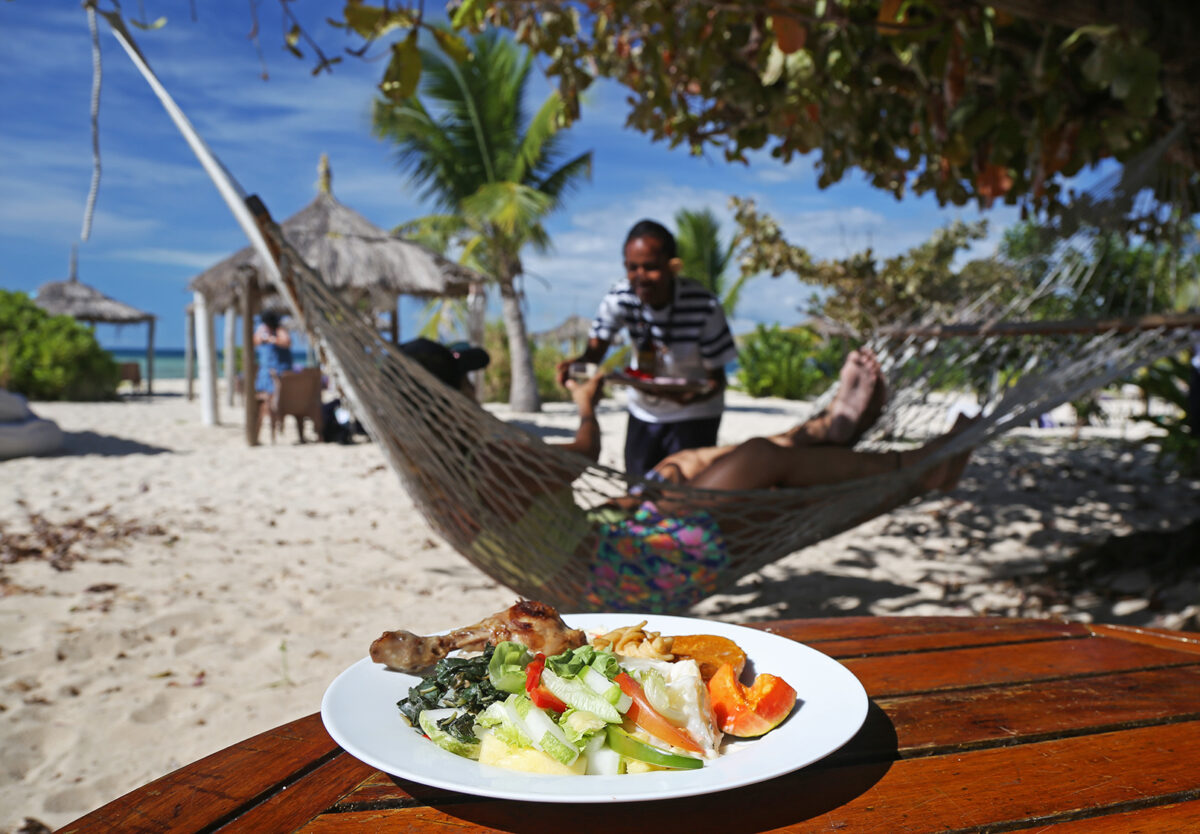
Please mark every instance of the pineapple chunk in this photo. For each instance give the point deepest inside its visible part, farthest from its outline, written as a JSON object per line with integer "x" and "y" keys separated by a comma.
{"x": 493, "y": 751}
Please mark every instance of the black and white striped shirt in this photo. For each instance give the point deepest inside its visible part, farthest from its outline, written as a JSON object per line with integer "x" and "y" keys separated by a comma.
{"x": 691, "y": 334}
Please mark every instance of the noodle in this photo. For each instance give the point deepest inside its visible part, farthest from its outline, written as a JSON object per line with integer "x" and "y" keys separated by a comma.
{"x": 634, "y": 641}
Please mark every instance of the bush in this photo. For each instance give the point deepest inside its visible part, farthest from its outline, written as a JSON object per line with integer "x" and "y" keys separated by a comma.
{"x": 497, "y": 381}
{"x": 794, "y": 364}
{"x": 1168, "y": 379}
{"x": 48, "y": 357}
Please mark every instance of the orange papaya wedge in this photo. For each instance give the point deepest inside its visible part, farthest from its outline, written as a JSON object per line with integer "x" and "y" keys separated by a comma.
{"x": 750, "y": 711}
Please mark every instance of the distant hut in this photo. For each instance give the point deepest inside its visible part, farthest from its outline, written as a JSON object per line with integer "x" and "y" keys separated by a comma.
{"x": 87, "y": 304}
{"x": 359, "y": 259}
{"x": 366, "y": 264}
{"x": 572, "y": 332}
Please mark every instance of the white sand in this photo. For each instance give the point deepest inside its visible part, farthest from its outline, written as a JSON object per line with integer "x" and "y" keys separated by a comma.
{"x": 278, "y": 565}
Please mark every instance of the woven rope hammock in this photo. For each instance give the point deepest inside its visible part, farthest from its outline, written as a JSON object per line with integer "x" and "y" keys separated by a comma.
{"x": 518, "y": 509}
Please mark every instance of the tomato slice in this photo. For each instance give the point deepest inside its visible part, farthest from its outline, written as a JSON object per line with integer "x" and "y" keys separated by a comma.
{"x": 650, "y": 719}
{"x": 542, "y": 697}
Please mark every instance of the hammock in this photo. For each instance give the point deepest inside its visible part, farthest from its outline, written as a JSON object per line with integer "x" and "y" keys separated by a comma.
{"x": 523, "y": 511}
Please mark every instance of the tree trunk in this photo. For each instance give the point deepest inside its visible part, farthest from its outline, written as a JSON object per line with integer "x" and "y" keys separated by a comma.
{"x": 523, "y": 395}
{"x": 477, "y": 326}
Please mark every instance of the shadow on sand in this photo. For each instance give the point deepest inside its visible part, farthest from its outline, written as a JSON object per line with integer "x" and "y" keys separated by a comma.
{"x": 91, "y": 443}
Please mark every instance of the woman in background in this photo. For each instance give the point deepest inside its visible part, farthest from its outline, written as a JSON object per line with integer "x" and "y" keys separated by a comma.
{"x": 272, "y": 351}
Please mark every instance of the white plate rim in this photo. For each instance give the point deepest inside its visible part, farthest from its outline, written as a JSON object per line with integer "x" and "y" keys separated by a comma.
{"x": 359, "y": 712}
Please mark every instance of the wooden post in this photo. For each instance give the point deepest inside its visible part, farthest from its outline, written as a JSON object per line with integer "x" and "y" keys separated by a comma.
{"x": 230, "y": 327}
{"x": 249, "y": 304}
{"x": 189, "y": 351}
{"x": 206, "y": 352}
{"x": 396, "y": 322}
{"x": 150, "y": 355}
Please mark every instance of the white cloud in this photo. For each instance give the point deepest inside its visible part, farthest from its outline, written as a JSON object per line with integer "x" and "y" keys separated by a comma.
{"x": 168, "y": 257}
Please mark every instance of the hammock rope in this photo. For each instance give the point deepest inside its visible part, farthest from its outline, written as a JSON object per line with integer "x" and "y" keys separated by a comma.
{"x": 518, "y": 509}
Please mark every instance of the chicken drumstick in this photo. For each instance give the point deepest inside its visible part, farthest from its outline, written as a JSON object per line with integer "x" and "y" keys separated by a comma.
{"x": 533, "y": 624}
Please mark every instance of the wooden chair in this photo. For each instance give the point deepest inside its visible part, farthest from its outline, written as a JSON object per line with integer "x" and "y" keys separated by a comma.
{"x": 131, "y": 372}
{"x": 297, "y": 393}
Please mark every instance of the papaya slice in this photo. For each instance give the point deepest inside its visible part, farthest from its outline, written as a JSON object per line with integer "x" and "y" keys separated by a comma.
{"x": 750, "y": 711}
{"x": 710, "y": 653}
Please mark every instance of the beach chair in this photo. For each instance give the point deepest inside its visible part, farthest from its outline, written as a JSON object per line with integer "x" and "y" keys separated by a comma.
{"x": 297, "y": 393}
{"x": 131, "y": 372}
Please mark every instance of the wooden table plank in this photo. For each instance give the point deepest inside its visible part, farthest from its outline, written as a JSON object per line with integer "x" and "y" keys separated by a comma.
{"x": 193, "y": 797}
{"x": 1033, "y": 784}
{"x": 1007, "y": 715}
{"x": 1046, "y": 660}
{"x": 818, "y": 631}
{"x": 297, "y": 803}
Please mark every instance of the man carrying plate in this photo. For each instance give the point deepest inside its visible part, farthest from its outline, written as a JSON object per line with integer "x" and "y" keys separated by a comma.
{"x": 679, "y": 332}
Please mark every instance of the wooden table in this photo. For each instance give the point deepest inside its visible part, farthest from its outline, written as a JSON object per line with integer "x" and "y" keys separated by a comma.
{"x": 975, "y": 724}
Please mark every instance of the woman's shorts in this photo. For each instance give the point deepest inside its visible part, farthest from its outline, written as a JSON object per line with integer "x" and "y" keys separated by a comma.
{"x": 651, "y": 562}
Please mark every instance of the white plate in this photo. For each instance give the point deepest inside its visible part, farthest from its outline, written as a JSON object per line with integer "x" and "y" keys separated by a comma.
{"x": 359, "y": 711}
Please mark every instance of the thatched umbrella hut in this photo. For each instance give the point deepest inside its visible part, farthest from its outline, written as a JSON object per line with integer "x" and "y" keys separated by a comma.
{"x": 88, "y": 304}
{"x": 366, "y": 264}
{"x": 573, "y": 330}
{"x": 361, "y": 260}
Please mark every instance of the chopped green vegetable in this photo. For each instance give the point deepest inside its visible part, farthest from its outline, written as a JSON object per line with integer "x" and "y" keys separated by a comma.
{"x": 631, "y": 748}
{"x": 458, "y": 682}
{"x": 436, "y": 724}
{"x": 506, "y": 669}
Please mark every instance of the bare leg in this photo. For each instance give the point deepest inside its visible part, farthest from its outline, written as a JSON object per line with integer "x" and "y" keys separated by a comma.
{"x": 760, "y": 464}
{"x": 855, "y": 407}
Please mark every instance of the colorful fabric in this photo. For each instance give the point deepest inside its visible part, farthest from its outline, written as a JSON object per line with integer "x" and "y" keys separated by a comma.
{"x": 650, "y": 562}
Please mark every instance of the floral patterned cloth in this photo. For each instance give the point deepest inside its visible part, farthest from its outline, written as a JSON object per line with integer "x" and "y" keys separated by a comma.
{"x": 651, "y": 562}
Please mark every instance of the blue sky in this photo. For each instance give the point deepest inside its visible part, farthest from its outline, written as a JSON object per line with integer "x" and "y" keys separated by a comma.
{"x": 159, "y": 221}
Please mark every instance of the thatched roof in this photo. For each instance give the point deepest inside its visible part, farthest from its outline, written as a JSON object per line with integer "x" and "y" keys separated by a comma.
{"x": 71, "y": 298}
{"x": 350, "y": 252}
{"x": 574, "y": 329}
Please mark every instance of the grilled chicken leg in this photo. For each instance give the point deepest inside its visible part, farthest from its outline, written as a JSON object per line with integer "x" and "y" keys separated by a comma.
{"x": 533, "y": 624}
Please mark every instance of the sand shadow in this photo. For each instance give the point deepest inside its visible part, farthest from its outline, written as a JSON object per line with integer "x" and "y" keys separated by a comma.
{"x": 91, "y": 443}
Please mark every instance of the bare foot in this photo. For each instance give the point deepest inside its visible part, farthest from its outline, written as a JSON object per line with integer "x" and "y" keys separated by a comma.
{"x": 856, "y": 389}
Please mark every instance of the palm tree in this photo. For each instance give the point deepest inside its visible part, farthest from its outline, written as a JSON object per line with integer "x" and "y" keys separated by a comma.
{"x": 496, "y": 173}
{"x": 705, "y": 258}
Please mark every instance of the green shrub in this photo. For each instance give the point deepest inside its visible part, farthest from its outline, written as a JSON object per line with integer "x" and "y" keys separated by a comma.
{"x": 48, "y": 357}
{"x": 794, "y": 363}
{"x": 497, "y": 381}
{"x": 1168, "y": 379}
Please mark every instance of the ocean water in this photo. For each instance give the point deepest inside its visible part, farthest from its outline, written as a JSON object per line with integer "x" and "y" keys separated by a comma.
{"x": 169, "y": 364}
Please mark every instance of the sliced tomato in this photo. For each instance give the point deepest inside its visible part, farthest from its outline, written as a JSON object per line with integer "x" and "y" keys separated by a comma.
{"x": 651, "y": 720}
{"x": 542, "y": 697}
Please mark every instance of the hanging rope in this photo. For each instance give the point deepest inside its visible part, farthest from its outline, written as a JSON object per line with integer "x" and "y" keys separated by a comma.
{"x": 89, "y": 208}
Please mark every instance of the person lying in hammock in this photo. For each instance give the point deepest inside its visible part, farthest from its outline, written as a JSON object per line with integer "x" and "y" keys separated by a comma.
{"x": 661, "y": 547}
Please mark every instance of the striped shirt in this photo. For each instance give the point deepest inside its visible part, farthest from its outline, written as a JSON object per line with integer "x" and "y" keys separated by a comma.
{"x": 692, "y": 337}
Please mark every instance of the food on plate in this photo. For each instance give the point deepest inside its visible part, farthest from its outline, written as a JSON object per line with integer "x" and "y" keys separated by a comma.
{"x": 710, "y": 652}
{"x": 750, "y": 711}
{"x": 586, "y": 709}
{"x": 634, "y": 641}
{"x": 533, "y": 624}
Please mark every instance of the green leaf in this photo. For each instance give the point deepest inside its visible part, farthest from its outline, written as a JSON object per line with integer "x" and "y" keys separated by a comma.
{"x": 403, "y": 71}
{"x": 373, "y": 21}
{"x": 157, "y": 24}
{"x": 454, "y": 46}
{"x": 291, "y": 39}
{"x": 469, "y": 14}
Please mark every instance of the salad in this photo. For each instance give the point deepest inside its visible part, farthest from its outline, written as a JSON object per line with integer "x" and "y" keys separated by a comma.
{"x": 584, "y": 711}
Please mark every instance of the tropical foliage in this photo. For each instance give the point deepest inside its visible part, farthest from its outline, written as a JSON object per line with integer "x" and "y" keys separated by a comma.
{"x": 496, "y": 173}
{"x": 706, "y": 258}
{"x": 975, "y": 100}
{"x": 48, "y": 357}
{"x": 497, "y": 381}
{"x": 795, "y": 363}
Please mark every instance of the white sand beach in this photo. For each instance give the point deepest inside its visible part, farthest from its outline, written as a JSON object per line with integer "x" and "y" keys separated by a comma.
{"x": 219, "y": 589}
